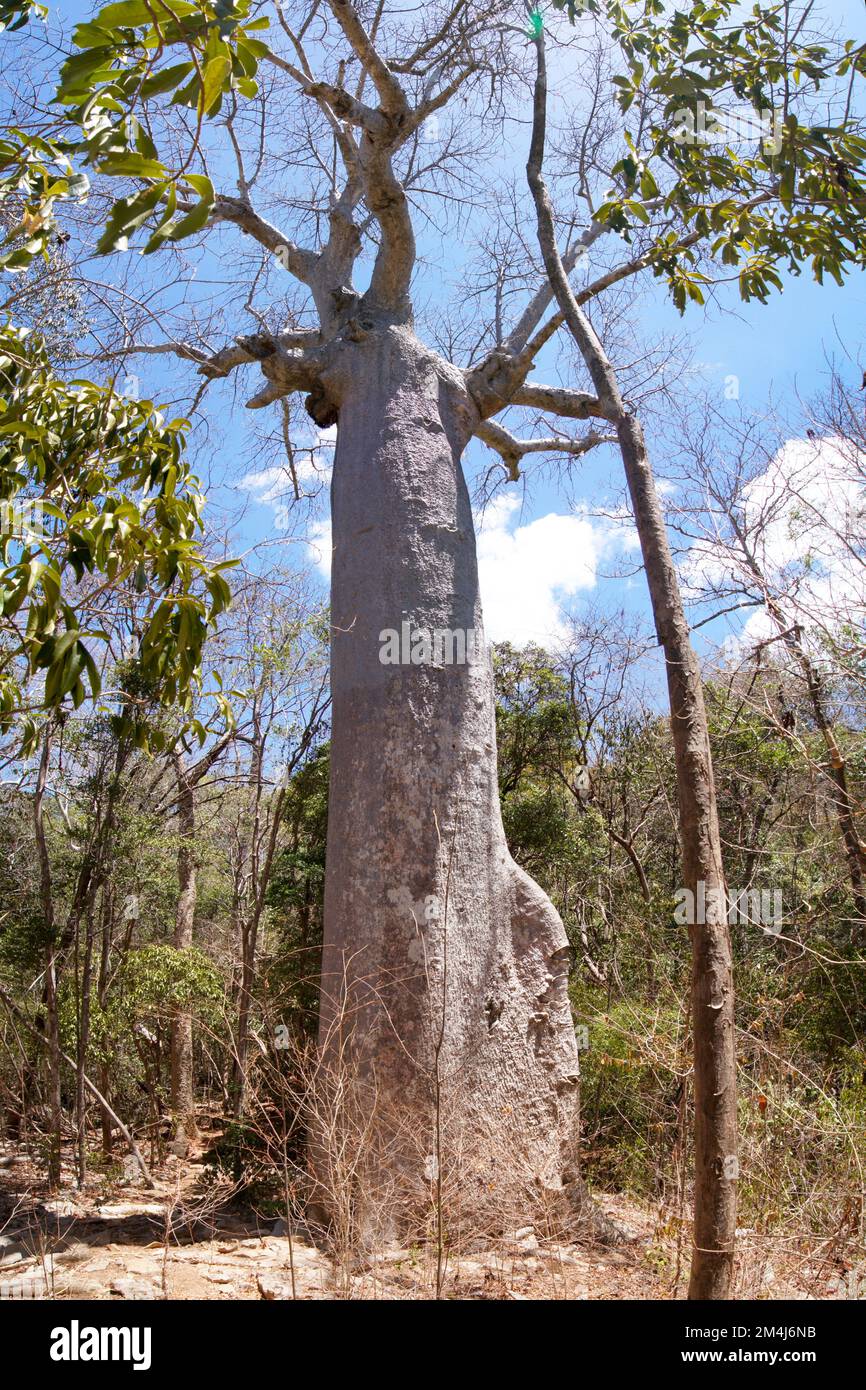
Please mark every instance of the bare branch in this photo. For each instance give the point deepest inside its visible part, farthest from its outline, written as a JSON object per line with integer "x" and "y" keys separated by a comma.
{"x": 299, "y": 262}
{"x": 389, "y": 91}
{"x": 576, "y": 405}
{"x": 531, "y": 316}
{"x": 386, "y": 199}
{"x": 511, "y": 449}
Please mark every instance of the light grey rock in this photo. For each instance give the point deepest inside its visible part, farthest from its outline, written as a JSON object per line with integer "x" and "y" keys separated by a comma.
{"x": 273, "y": 1287}
{"x": 135, "y": 1289}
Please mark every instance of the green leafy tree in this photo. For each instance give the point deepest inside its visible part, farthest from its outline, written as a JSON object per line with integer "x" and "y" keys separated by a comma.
{"x": 96, "y": 496}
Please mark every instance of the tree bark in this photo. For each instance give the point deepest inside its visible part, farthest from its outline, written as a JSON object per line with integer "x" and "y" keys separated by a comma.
{"x": 712, "y": 991}
{"x": 444, "y": 977}
{"x": 182, "y": 1079}
{"x": 81, "y": 1049}
{"x": 49, "y": 989}
{"x": 712, "y": 987}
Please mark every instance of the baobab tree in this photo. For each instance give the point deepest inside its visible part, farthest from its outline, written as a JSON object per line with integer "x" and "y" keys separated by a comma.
{"x": 444, "y": 963}
{"x": 445, "y": 960}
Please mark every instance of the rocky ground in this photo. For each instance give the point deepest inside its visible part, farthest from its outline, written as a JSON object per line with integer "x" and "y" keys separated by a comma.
{"x": 183, "y": 1241}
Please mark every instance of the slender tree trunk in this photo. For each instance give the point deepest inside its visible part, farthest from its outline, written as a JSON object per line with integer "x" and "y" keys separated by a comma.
{"x": 49, "y": 990}
{"x": 444, "y": 978}
{"x": 250, "y": 936}
{"x": 81, "y": 1050}
{"x": 91, "y": 880}
{"x": 712, "y": 991}
{"x": 263, "y": 849}
{"x": 182, "y": 1079}
{"x": 248, "y": 917}
{"x": 102, "y": 995}
{"x": 245, "y": 992}
{"x": 52, "y": 1036}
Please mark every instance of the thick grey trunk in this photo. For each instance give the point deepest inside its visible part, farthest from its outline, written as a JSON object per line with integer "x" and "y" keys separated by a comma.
{"x": 445, "y": 1009}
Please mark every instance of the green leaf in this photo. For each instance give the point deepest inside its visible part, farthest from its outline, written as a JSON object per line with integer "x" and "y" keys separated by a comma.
{"x": 126, "y": 215}
{"x": 203, "y": 186}
{"x": 161, "y": 232}
{"x": 131, "y": 165}
{"x": 216, "y": 77}
{"x": 127, "y": 15}
{"x": 165, "y": 80}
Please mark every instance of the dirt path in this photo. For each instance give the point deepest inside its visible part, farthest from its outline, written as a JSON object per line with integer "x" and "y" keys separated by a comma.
{"x": 184, "y": 1242}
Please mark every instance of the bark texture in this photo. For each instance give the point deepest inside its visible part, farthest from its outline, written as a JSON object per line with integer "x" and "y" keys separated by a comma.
{"x": 182, "y": 1079}
{"x": 51, "y": 1017}
{"x": 443, "y": 962}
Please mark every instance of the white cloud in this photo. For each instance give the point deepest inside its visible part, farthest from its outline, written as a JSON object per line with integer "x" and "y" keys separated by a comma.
{"x": 527, "y": 572}
{"x": 807, "y": 501}
{"x": 269, "y": 485}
